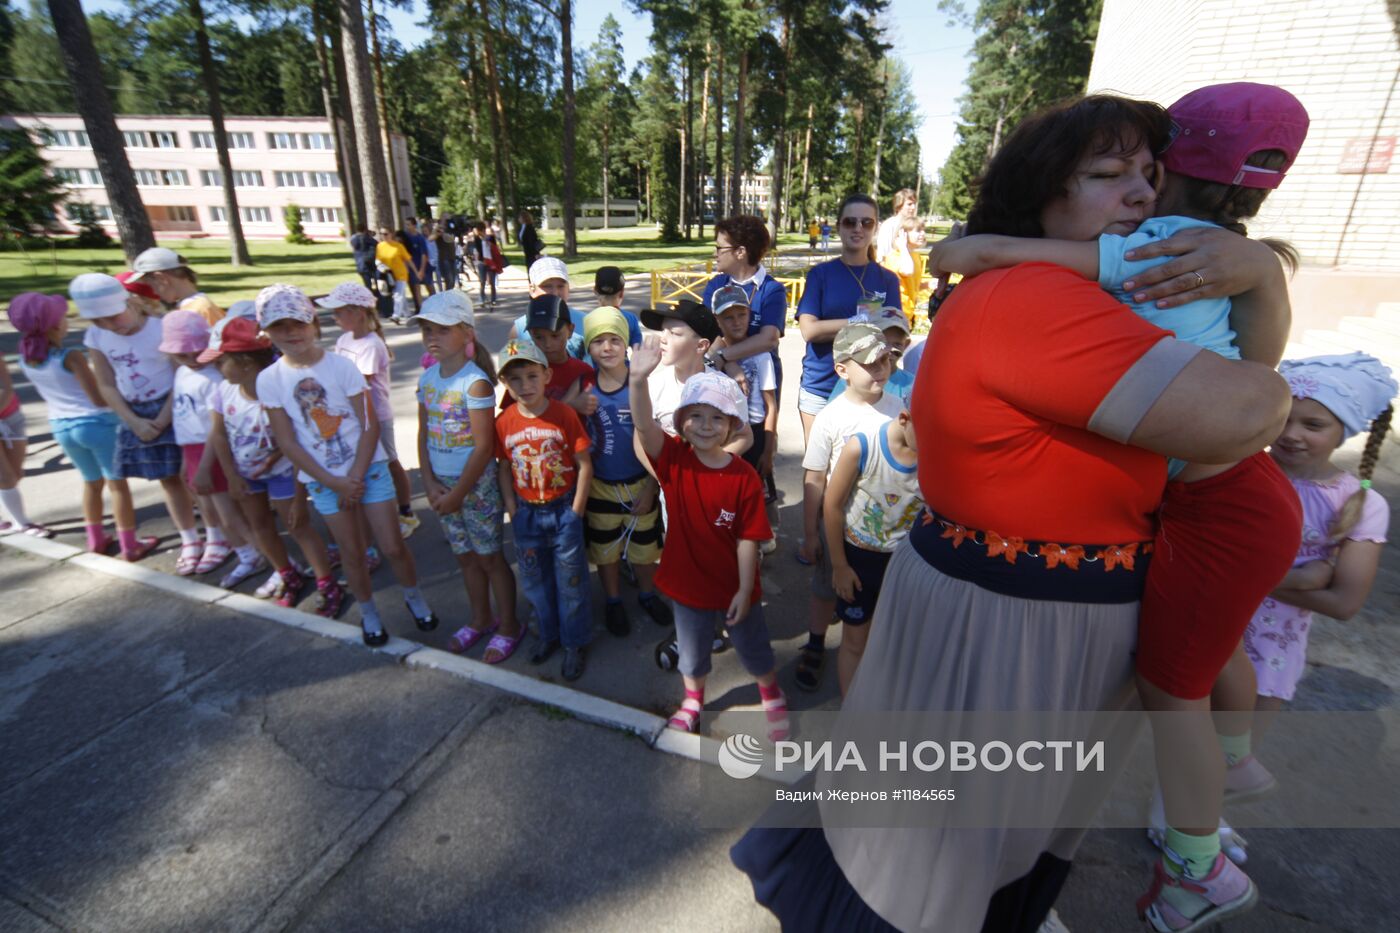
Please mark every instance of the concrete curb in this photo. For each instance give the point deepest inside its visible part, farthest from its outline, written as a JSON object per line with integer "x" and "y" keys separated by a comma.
{"x": 650, "y": 728}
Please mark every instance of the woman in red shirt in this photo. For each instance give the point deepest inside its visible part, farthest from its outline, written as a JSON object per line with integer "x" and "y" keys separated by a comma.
{"x": 1044, "y": 410}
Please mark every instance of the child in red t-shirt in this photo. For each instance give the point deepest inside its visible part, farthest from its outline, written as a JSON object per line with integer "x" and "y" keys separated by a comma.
{"x": 715, "y": 521}
{"x": 545, "y": 470}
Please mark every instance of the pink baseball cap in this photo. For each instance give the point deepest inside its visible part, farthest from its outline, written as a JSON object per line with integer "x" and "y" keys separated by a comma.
{"x": 716, "y": 390}
{"x": 1216, "y": 129}
{"x": 183, "y": 332}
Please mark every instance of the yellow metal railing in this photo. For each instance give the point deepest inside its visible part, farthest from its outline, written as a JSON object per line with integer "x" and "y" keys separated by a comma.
{"x": 671, "y": 285}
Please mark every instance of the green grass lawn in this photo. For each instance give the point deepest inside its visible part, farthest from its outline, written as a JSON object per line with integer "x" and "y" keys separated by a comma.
{"x": 318, "y": 267}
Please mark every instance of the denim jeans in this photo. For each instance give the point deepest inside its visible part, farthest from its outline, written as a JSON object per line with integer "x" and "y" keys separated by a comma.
{"x": 553, "y": 562}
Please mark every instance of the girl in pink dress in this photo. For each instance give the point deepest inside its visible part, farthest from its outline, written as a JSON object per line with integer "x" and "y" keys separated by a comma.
{"x": 1344, "y": 529}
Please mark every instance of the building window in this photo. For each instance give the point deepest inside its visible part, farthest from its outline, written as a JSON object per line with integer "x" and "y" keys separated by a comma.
{"x": 306, "y": 179}
{"x": 181, "y": 213}
{"x": 289, "y": 179}
{"x": 318, "y": 141}
{"x": 162, "y": 139}
{"x": 79, "y": 177}
{"x": 300, "y": 141}
{"x": 325, "y": 180}
{"x": 162, "y": 177}
{"x": 321, "y": 215}
{"x": 64, "y": 139}
{"x": 250, "y": 215}
{"x": 153, "y": 139}
{"x": 205, "y": 140}
{"x": 214, "y": 178}
{"x": 282, "y": 141}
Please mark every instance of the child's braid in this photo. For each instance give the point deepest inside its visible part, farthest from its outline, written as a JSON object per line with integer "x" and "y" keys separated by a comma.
{"x": 1350, "y": 512}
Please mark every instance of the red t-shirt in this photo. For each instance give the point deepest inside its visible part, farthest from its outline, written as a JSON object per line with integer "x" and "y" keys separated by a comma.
{"x": 561, "y": 380}
{"x": 1016, "y": 364}
{"x": 708, "y": 512}
{"x": 541, "y": 451}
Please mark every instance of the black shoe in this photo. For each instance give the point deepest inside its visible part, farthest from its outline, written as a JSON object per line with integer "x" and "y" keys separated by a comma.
{"x": 810, "y": 662}
{"x": 721, "y": 643}
{"x": 667, "y": 654}
{"x": 543, "y": 651}
{"x": 374, "y": 639}
{"x": 425, "y": 624}
{"x": 615, "y": 620}
{"x": 658, "y": 610}
{"x": 573, "y": 663}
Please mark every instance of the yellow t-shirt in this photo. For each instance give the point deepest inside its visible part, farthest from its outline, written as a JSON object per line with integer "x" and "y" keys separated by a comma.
{"x": 814, "y": 231}
{"x": 395, "y": 256}
{"x": 201, "y": 304}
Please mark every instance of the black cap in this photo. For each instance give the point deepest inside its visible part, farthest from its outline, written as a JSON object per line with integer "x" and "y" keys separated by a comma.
{"x": 548, "y": 312}
{"x": 607, "y": 280}
{"x": 697, "y": 316}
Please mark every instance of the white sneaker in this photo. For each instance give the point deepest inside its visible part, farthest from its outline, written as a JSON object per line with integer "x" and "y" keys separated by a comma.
{"x": 408, "y": 524}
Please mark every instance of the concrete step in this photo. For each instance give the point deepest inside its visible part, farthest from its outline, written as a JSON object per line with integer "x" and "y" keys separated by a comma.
{"x": 1388, "y": 311}
{"x": 1379, "y": 330}
{"x": 1320, "y": 342}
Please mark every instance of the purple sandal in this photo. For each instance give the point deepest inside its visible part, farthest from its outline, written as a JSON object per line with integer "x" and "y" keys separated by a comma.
{"x": 506, "y": 646}
{"x": 466, "y": 637}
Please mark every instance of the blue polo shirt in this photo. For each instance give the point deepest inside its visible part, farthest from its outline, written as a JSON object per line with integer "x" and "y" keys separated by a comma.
{"x": 834, "y": 292}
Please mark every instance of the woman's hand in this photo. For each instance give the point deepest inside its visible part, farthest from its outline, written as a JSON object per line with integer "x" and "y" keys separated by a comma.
{"x": 1210, "y": 262}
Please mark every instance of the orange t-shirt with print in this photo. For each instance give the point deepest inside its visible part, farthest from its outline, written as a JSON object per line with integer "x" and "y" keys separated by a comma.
{"x": 541, "y": 451}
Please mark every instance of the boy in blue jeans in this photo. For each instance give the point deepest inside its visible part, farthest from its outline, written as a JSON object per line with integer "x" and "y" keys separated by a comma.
{"x": 545, "y": 471}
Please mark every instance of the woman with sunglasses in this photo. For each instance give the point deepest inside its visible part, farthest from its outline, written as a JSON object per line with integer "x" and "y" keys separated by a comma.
{"x": 851, "y": 287}
{"x": 741, "y": 242}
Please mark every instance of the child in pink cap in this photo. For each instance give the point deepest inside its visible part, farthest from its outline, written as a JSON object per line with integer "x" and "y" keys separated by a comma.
{"x": 715, "y": 520}
{"x": 184, "y": 336}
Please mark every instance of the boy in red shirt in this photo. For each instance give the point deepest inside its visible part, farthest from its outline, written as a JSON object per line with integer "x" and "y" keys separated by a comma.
{"x": 550, "y": 327}
{"x": 545, "y": 470}
{"x": 715, "y": 519}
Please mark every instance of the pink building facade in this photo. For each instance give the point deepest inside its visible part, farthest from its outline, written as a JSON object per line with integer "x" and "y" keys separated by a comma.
{"x": 276, "y": 161}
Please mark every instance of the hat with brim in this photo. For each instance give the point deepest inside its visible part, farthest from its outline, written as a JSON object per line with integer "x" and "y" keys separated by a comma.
{"x": 234, "y": 335}
{"x": 283, "y": 302}
{"x": 137, "y": 287}
{"x": 714, "y": 389}
{"x": 448, "y": 308}
{"x": 97, "y": 295}
{"x": 155, "y": 259}
{"x": 891, "y": 316}
{"x": 547, "y": 312}
{"x": 347, "y": 295}
{"x": 183, "y": 332}
{"x": 863, "y": 342}
{"x": 1216, "y": 129}
{"x": 520, "y": 351}
{"x": 727, "y": 297}
{"x": 546, "y": 268}
{"x": 696, "y": 316}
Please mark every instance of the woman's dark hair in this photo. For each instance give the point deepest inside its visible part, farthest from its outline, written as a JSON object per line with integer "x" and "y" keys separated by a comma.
{"x": 1037, "y": 161}
{"x": 856, "y": 199}
{"x": 1230, "y": 205}
{"x": 746, "y": 231}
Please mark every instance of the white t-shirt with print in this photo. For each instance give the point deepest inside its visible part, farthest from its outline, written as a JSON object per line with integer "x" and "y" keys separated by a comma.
{"x": 758, "y": 370}
{"x": 193, "y": 396}
{"x": 886, "y": 499}
{"x": 317, "y": 399}
{"x": 372, "y": 357}
{"x": 142, "y": 372}
{"x": 838, "y": 422}
{"x": 249, "y": 435}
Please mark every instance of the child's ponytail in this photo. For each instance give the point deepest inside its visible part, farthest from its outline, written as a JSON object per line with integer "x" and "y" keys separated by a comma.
{"x": 372, "y": 315}
{"x": 1350, "y": 512}
{"x": 481, "y": 356}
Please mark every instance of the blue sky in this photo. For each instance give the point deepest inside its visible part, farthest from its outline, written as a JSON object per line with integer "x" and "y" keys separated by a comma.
{"x": 934, "y": 52}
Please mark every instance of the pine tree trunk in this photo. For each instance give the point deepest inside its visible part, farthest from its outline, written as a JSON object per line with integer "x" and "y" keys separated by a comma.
{"x": 382, "y": 106}
{"x": 95, "y": 107}
{"x": 505, "y": 170}
{"x": 607, "y": 204}
{"x": 378, "y": 207}
{"x": 777, "y": 190}
{"x": 687, "y": 156}
{"x": 859, "y": 154}
{"x": 880, "y": 131}
{"x": 346, "y": 125}
{"x": 473, "y": 83}
{"x": 700, "y": 153}
{"x": 680, "y": 189}
{"x": 740, "y": 144}
{"x": 347, "y": 202}
{"x": 721, "y": 190}
{"x": 238, "y": 247}
{"x": 566, "y": 19}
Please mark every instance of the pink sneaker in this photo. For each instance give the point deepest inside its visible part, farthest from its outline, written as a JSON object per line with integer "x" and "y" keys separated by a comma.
{"x": 1247, "y": 779}
{"x": 1180, "y": 905}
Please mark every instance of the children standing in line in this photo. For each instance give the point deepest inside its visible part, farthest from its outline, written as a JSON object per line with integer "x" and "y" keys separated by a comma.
{"x": 688, "y": 329}
{"x": 714, "y": 509}
{"x": 872, "y": 498}
{"x": 80, "y": 420}
{"x": 184, "y": 335}
{"x": 316, "y": 405}
{"x": 363, "y": 342}
{"x": 456, "y": 453}
{"x": 260, "y": 479}
{"x": 861, "y": 357}
{"x": 168, "y": 275}
{"x": 624, "y": 519}
{"x": 1345, "y": 523}
{"x": 545, "y": 472}
{"x": 135, "y": 380}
